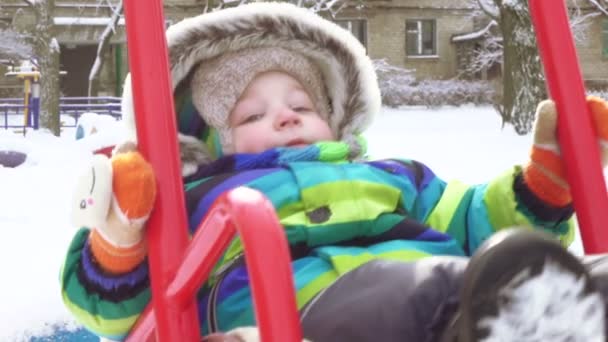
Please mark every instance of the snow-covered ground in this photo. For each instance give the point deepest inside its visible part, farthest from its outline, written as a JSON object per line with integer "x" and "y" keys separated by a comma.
{"x": 465, "y": 143}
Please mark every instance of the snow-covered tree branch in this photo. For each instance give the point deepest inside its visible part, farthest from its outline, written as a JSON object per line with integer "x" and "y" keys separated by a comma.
{"x": 104, "y": 43}
{"x": 600, "y": 5}
{"x": 13, "y": 45}
{"x": 490, "y": 8}
{"x": 579, "y": 20}
{"x": 489, "y": 51}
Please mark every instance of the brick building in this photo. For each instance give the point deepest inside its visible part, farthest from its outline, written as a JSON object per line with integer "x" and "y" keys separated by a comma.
{"x": 420, "y": 35}
{"x": 416, "y": 34}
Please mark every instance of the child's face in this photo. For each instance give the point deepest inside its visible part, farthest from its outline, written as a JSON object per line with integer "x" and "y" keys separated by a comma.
{"x": 275, "y": 111}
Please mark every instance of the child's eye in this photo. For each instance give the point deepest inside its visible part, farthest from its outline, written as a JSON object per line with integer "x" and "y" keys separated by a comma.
{"x": 301, "y": 109}
{"x": 253, "y": 118}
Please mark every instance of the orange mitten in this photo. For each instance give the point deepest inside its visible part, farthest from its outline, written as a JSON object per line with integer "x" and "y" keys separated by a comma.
{"x": 599, "y": 115}
{"x": 114, "y": 198}
{"x": 545, "y": 174}
{"x": 134, "y": 187}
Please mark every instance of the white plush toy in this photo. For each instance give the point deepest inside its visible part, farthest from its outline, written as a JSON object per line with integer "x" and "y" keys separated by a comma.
{"x": 93, "y": 194}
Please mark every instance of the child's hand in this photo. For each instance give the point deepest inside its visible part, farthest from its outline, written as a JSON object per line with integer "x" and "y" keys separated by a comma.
{"x": 545, "y": 174}
{"x": 114, "y": 198}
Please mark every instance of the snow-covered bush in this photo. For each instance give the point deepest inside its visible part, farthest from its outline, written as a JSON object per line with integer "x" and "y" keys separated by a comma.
{"x": 399, "y": 87}
{"x": 394, "y": 82}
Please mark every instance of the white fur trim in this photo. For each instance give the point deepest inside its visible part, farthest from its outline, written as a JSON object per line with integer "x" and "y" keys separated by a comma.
{"x": 188, "y": 169}
{"x": 548, "y": 307}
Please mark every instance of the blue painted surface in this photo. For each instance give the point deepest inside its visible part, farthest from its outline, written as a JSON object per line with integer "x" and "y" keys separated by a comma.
{"x": 65, "y": 335}
{"x": 79, "y": 132}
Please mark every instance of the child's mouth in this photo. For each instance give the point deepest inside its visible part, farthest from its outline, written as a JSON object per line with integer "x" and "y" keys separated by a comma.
{"x": 296, "y": 143}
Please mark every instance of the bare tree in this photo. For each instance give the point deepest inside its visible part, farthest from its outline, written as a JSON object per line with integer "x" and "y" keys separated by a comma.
{"x": 514, "y": 48}
{"x": 104, "y": 45}
{"x": 522, "y": 76}
{"x": 46, "y": 49}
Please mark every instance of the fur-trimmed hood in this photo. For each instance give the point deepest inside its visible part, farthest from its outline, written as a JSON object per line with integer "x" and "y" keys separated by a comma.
{"x": 347, "y": 70}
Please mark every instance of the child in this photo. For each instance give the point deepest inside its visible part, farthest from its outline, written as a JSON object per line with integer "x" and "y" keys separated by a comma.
{"x": 273, "y": 97}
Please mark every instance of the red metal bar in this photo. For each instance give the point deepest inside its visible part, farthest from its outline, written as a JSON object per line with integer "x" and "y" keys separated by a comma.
{"x": 252, "y": 215}
{"x": 145, "y": 328}
{"x": 268, "y": 266}
{"x": 267, "y": 257}
{"x": 157, "y": 140}
{"x": 579, "y": 145}
{"x": 212, "y": 237}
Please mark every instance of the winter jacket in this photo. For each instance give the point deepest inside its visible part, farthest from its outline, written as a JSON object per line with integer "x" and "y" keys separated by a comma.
{"x": 338, "y": 210}
{"x": 337, "y": 215}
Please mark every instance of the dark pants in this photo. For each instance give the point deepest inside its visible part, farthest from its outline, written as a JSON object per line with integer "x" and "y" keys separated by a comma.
{"x": 394, "y": 301}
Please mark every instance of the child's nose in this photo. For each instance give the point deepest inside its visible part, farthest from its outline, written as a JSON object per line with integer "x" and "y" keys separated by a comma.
{"x": 288, "y": 118}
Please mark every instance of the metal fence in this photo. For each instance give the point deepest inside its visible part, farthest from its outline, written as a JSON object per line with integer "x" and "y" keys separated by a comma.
{"x": 76, "y": 106}
{"x": 15, "y": 113}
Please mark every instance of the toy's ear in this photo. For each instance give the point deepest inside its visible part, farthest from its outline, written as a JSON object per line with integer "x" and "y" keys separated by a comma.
{"x": 93, "y": 194}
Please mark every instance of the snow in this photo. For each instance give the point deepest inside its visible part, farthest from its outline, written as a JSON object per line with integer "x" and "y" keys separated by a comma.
{"x": 54, "y": 46}
{"x": 466, "y": 143}
{"x": 34, "y": 204}
{"x": 86, "y": 21}
{"x": 95, "y": 68}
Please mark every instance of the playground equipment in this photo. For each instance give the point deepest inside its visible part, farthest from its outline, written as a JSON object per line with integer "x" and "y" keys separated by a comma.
{"x": 29, "y": 106}
{"x": 30, "y": 75}
{"x": 178, "y": 267}
{"x": 75, "y": 107}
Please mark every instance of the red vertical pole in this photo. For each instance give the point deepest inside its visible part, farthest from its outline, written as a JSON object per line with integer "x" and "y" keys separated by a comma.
{"x": 579, "y": 145}
{"x": 157, "y": 140}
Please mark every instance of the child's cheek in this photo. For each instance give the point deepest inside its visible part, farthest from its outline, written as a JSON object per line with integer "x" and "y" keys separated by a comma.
{"x": 250, "y": 139}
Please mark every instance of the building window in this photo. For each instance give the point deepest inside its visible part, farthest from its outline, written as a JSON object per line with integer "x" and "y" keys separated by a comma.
{"x": 358, "y": 27}
{"x": 420, "y": 38}
{"x": 605, "y": 38}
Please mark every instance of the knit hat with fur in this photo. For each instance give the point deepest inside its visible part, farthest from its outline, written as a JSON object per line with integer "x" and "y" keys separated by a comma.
{"x": 217, "y": 84}
{"x": 347, "y": 72}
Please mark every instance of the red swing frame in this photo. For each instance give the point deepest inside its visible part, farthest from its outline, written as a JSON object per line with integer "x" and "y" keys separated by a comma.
{"x": 578, "y": 142}
{"x": 178, "y": 266}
